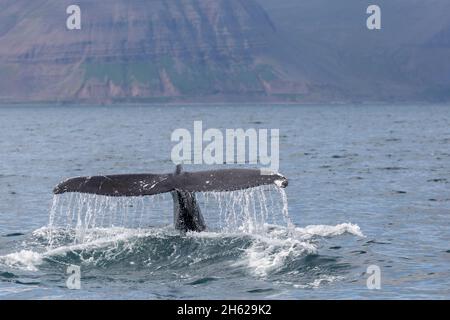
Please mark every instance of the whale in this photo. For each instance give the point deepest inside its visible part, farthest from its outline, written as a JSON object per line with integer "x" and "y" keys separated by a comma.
{"x": 182, "y": 185}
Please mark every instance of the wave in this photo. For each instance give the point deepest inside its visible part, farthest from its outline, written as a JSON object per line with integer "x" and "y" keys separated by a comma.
{"x": 250, "y": 235}
{"x": 281, "y": 247}
{"x": 24, "y": 259}
{"x": 162, "y": 251}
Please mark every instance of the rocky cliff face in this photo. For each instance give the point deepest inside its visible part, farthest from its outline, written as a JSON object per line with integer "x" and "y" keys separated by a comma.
{"x": 224, "y": 50}
{"x": 138, "y": 50}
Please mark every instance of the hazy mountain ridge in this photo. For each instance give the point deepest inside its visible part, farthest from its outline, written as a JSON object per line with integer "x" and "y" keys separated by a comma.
{"x": 223, "y": 50}
{"x": 407, "y": 60}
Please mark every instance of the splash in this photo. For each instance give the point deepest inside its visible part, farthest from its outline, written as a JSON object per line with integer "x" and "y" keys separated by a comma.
{"x": 249, "y": 231}
{"x": 278, "y": 252}
{"x": 280, "y": 246}
{"x": 244, "y": 211}
{"x": 24, "y": 259}
{"x": 83, "y": 214}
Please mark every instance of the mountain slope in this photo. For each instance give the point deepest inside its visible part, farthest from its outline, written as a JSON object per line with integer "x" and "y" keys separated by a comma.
{"x": 137, "y": 50}
{"x": 224, "y": 50}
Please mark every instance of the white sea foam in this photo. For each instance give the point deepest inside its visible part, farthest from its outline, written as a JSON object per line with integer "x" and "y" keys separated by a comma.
{"x": 328, "y": 231}
{"x": 269, "y": 253}
{"x": 98, "y": 239}
{"x": 24, "y": 259}
{"x": 318, "y": 282}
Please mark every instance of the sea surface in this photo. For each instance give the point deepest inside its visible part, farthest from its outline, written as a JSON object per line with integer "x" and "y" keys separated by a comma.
{"x": 368, "y": 186}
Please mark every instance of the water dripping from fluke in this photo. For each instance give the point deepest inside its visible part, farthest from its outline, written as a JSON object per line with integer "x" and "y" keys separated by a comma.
{"x": 248, "y": 211}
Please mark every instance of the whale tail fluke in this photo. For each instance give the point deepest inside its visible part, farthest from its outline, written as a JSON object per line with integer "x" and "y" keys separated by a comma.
{"x": 133, "y": 185}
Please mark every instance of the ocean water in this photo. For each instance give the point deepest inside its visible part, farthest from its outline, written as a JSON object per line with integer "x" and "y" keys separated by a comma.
{"x": 368, "y": 185}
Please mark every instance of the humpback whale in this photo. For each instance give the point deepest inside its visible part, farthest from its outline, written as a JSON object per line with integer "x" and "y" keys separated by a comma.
{"x": 182, "y": 186}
